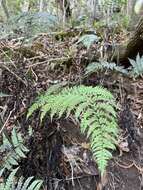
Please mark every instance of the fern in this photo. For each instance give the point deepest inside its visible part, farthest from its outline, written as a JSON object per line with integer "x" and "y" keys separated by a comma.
{"x": 13, "y": 149}
{"x": 12, "y": 184}
{"x": 88, "y": 40}
{"x": 43, "y": 98}
{"x": 137, "y": 66}
{"x": 134, "y": 71}
{"x": 103, "y": 66}
{"x": 94, "y": 107}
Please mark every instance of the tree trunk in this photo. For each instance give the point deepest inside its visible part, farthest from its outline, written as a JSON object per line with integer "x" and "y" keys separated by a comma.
{"x": 4, "y": 6}
{"x": 133, "y": 47}
{"x": 65, "y": 8}
{"x": 41, "y": 6}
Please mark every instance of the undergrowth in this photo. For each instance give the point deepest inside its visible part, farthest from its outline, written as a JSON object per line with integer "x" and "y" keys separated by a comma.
{"x": 12, "y": 184}
{"x": 94, "y": 108}
{"x": 12, "y": 150}
{"x": 134, "y": 71}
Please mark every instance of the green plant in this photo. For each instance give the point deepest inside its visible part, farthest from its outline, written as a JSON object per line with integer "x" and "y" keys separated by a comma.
{"x": 12, "y": 184}
{"x": 88, "y": 39}
{"x": 137, "y": 66}
{"x": 104, "y": 66}
{"x": 93, "y": 107}
{"x": 12, "y": 149}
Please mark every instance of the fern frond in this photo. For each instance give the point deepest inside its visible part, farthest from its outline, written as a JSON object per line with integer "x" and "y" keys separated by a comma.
{"x": 104, "y": 66}
{"x": 137, "y": 66}
{"x": 12, "y": 184}
{"x": 14, "y": 148}
{"x": 95, "y": 108}
{"x": 44, "y": 98}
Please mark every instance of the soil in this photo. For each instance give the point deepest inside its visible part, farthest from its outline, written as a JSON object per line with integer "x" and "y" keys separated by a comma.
{"x": 59, "y": 154}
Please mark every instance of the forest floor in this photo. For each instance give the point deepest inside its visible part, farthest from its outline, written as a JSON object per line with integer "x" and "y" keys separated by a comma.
{"x": 59, "y": 154}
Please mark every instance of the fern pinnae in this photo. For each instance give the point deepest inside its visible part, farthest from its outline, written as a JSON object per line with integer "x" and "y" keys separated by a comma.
{"x": 19, "y": 183}
{"x": 14, "y": 138}
{"x": 104, "y": 66}
{"x": 33, "y": 108}
{"x": 12, "y": 160}
{"x": 12, "y": 184}
{"x": 1, "y": 171}
{"x": 35, "y": 185}
{"x": 27, "y": 182}
{"x": 80, "y": 109}
{"x": 91, "y": 129}
{"x": 85, "y": 120}
{"x": 74, "y": 103}
{"x": 38, "y": 186}
{"x": 40, "y": 101}
{"x": 46, "y": 107}
{"x": 20, "y": 152}
{"x": 107, "y": 108}
{"x": 10, "y": 180}
{"x": 14, "y": 150}
{"x": 63, "y": 103}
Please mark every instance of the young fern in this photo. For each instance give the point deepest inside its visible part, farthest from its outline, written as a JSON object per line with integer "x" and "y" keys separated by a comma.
{"x": 12, "y": 184}
{"x": 94, "y": 107}
{"x": 13, "y": 149}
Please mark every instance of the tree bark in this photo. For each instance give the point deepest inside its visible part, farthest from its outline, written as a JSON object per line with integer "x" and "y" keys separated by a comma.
{"x": 133, "y": 47}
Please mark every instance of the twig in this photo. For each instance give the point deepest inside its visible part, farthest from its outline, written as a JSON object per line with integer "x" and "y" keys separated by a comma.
{"x": 124, "y": 166}
{"x": 74, "y": 178}
{"x": 6, "y": 122}
{"x": 12, "y": 62}
{"x": 20, "y": 79}
{"x": 50, "y": 60}
{"x": 130, "y": 165}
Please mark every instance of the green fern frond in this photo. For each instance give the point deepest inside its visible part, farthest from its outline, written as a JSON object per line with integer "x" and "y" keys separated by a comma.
{"x": 12, "y": 184}
{"x": 44, "y": 98}
{"x": 95, "y": 108}
{"x": 14, "y": 150}
{"x": 104, "y": 66}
